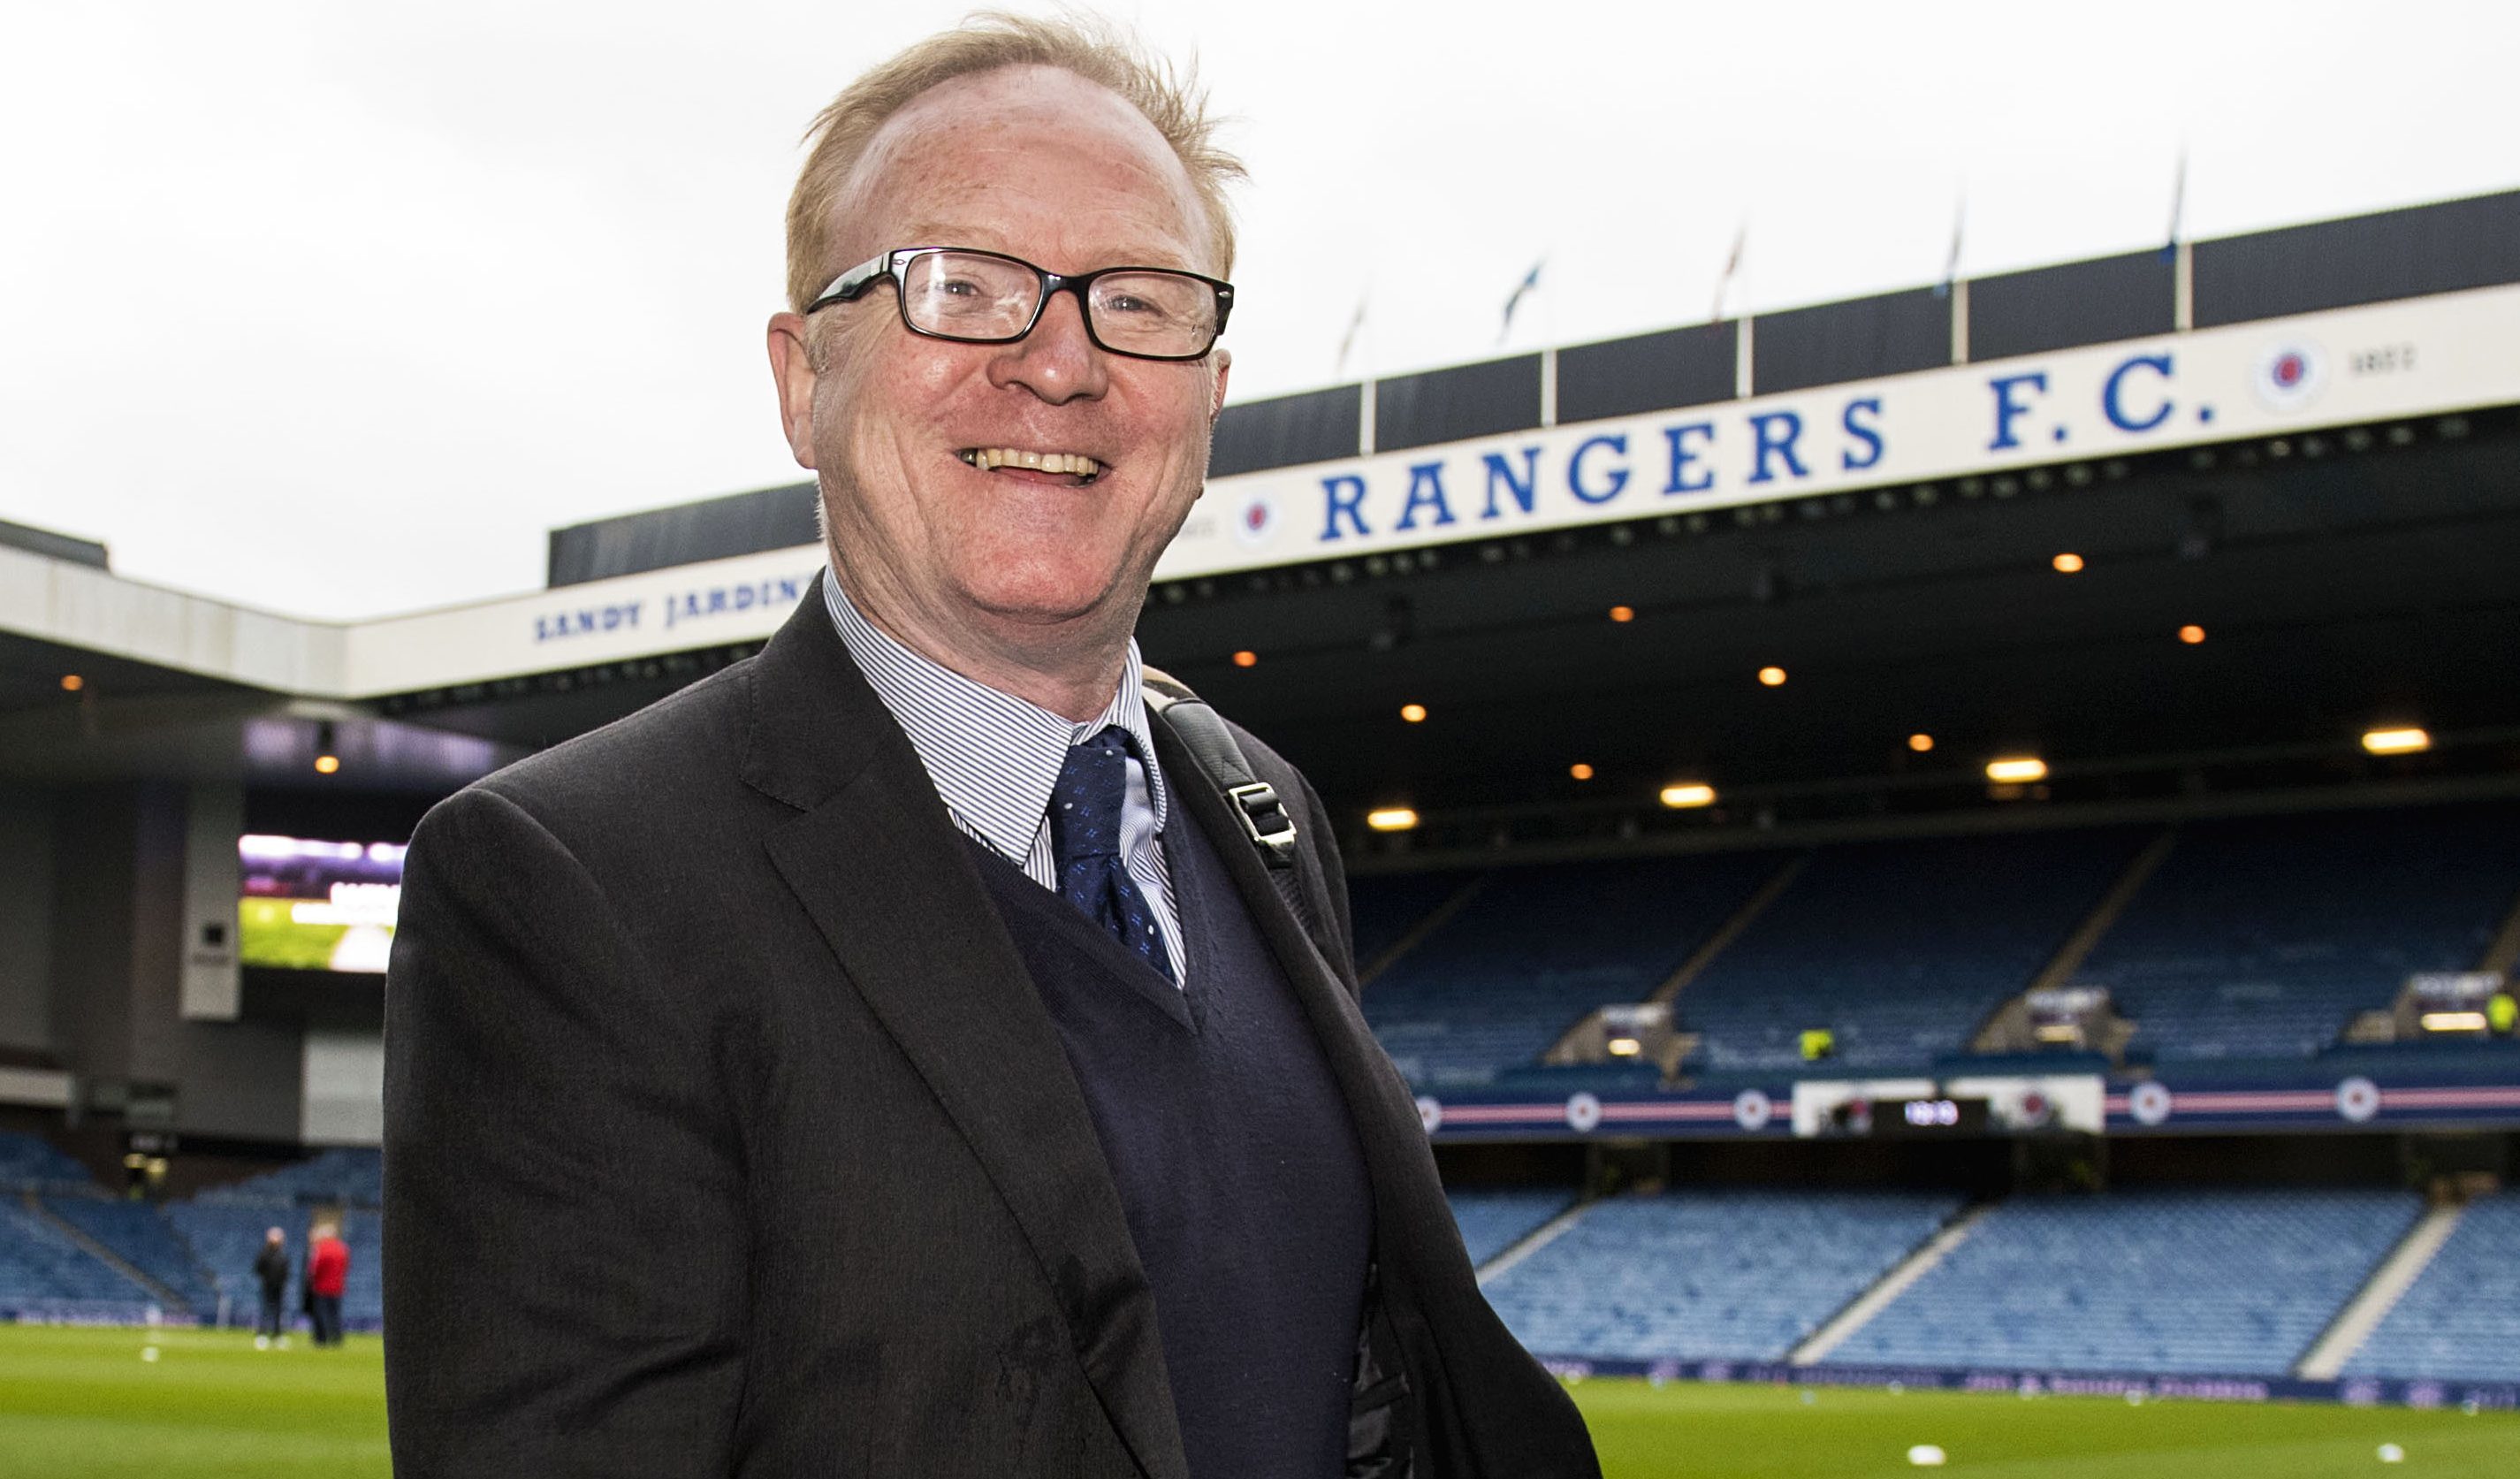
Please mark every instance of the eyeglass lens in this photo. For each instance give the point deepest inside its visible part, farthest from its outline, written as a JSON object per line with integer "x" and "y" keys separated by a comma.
{"x": 971, "y": 296}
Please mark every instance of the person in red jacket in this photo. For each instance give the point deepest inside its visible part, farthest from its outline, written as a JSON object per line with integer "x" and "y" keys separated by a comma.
{"x": 328, "y": 1272}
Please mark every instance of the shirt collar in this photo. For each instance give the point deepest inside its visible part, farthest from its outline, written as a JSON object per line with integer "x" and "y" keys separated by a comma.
{"x": 994, "y": 757}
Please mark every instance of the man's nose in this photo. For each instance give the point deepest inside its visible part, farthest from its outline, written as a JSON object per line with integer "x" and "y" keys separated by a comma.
{"x": 1057, "y": 361}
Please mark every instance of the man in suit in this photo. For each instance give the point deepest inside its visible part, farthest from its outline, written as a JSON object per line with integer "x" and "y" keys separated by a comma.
{"x": 898, "y": 1054}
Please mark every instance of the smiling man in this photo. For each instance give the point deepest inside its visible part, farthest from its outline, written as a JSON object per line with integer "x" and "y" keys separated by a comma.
{"x": 931, "y": 1048}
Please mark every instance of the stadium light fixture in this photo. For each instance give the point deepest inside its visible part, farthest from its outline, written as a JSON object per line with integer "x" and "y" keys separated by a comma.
{"x": 1921, "y": 743}
{"x": 1391, "y": 819}
{"x": 1246, "y": 658}
{"x": 1580, "y": 771}
{"x": 71, "y": 683}
{"x": 2191, "y": 633}
{"x": 2016, "y": 770}
{"x": 2453, "y": 1021}
{"x": 2409, "y": 740}
{"x": 2068, "y": 564}
{"x": 1772, "y": 676}
{"x": 1625, "y": 1046}
{"x": 1412, "y": 713}
{"x": 1688, "y": 794}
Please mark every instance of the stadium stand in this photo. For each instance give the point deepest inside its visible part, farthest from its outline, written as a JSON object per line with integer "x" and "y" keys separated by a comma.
{"x": 42, "y": 1269}
{"x": 2461, "y": 1319}
{"x": 1900, "y": 948}
{"x": 1709, "y": 1274}
{"x": 1493, "y": 1220}
{"x": 345, "y": 1177}
{"x": 1386, "y": 907}
{"x": 140, "y": 1235}
{"x": 2219, "y": 1282}
{"x": 225, "y": 1236}
{"x": 2264, "y": 938}
{"x": 30, "y": 1162}
{"x": 363, "y": 1298}
{"x": 1498, "y": 983}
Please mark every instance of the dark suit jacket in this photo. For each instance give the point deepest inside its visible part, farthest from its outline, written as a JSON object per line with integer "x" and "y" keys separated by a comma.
{"x": 725, "y": 1134}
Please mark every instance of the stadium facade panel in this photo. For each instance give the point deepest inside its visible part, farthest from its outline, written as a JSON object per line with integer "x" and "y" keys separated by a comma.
{"x": 1456, "y": 403}
{"x": 1663, "y": 371}
{"x": 2447, "y": 248}
{"x": 1858, "y": 340}
{"x": 2101, "y": 301}
{"x": 1287, "y": 430}
{"x": 631, "y": 543}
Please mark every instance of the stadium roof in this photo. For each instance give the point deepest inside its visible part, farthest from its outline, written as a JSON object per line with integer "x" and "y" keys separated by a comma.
{"x": 2346, "y": 558}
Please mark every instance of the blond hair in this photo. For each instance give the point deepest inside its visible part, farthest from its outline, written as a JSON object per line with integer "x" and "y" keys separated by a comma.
{"x": 1094, "y": 49}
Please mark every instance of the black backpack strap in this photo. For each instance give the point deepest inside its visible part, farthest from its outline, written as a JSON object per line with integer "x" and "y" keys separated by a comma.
{"x": 1266, "y": 822}
{"x": 1266, "y": 819}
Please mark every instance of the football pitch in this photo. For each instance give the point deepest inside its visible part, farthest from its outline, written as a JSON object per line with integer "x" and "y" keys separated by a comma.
{"x": 85, "y": 1404}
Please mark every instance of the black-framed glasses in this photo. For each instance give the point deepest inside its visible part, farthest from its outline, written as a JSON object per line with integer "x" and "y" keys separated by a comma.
{"x": 987, "y": 298}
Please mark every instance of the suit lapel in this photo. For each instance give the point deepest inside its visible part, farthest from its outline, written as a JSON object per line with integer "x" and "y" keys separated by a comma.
{"x": 877, "y": 865}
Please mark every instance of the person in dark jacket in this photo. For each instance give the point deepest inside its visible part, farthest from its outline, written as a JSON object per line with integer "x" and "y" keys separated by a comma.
{"x": 906, "y": 1052}
{"x": 271, "y": 1275}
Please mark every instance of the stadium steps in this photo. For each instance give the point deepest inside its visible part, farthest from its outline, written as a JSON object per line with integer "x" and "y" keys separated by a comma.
{"x": 2371, "y": 1303}
{"x": 2061, "y": 968}
{"x": 70, "y": 1232}
{"x": 1742, "y": 918}
{"x": 1436, "y": 918}
{"x": 1536, "y": 1240}
{"x": 1859, "y": 1310}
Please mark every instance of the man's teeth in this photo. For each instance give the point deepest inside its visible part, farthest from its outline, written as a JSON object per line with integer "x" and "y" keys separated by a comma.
{"x": 1076, "y": 463}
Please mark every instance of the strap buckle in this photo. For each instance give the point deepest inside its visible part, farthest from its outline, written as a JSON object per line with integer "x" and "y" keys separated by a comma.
{"x": 1265, "y": 821}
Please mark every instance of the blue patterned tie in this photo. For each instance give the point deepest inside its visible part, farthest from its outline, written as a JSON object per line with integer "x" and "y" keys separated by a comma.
{"x": 1085, "y": 837}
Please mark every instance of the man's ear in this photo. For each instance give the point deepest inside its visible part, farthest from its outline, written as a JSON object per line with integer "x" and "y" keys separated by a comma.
{"x": 1224, "y": 371}
{"x": 792, "y": 366}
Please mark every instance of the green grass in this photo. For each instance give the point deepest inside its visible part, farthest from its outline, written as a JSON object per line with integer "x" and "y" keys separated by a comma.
{"x": 1744, "y": 1432}
{"x": 82, "y": 1404}
{"x": 267, "y": 936}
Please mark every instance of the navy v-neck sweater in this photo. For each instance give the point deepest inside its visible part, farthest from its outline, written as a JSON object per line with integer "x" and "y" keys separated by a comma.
{"x": 1237, "y": 1166}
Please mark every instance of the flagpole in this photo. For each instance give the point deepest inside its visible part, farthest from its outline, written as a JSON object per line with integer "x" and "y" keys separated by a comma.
{"x": 1731, "y": 265}
{"x": 2182, "y": 259}
{"x": 1954, "y": 287}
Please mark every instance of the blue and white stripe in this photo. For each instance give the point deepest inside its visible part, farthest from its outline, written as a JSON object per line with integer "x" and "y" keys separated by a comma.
{"x": 994, "y": 758}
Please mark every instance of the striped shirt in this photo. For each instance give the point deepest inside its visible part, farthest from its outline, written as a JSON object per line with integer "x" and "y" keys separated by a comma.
{"x": 994, "y": 758}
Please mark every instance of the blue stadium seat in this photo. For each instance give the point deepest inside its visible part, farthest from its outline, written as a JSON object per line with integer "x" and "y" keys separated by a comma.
{"x": 2171, "y": 1282}
{"x": 140, "y": 1235}
{"x": 1540, "y": 947}
{"x": 1494, "y": 1221}
{"x": 1712, "y": 1274}
{"x": 1386, "y": 907}
{"x": 226, "y": 1234}
{"x": 2264, "y": 938}
{"x": 1900, "y": 948}
{"x": 42, "y": 1269}
{"x": 343, "y": 1176}
{"x": 28, "y": 1162}
{"x": 2461, "y": 1319}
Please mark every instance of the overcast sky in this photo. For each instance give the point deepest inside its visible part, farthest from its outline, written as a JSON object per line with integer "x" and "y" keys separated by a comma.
{"x": 336, "y": 308}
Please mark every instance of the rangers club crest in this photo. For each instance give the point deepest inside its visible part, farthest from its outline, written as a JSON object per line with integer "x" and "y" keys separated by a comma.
{"x": 1256, "y": 520}
{"x": 2290, "y": 374}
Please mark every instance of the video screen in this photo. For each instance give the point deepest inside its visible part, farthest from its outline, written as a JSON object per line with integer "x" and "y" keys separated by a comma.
{"x": 308, "y": 904}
